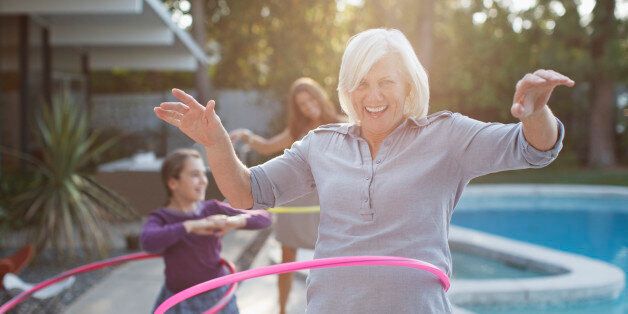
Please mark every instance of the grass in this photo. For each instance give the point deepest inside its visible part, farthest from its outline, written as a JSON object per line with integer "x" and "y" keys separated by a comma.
{"x": 560, "y": 175}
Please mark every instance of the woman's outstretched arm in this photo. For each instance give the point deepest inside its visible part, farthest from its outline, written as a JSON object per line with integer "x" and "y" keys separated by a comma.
{"x": 262, "y": 145}
{"x": 203, "y": 125}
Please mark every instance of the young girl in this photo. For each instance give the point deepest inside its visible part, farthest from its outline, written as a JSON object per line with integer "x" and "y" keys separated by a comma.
{"x": 188, "y": 229}
{"x": 308, "y": 108}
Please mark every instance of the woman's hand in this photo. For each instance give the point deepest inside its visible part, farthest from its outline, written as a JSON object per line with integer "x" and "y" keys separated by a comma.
{"x": 232, "y": 222}
{"x": 534, "y": 90}
{"x": 203, "y": 126}
{"x": 200, "y": 123}
{"x": 243, "y": 135}
{"x": 217, "y": 225}
{"x": 205, "y": 226}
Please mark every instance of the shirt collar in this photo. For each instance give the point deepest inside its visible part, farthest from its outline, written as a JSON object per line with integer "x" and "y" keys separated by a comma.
{"x": 424, "y": 121}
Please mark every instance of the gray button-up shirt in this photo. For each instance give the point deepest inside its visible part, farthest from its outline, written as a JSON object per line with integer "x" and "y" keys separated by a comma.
{"x": 398, "y": 203}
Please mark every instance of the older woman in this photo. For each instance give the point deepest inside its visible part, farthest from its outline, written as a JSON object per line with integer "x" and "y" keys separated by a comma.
{"x": 389, "y": 180}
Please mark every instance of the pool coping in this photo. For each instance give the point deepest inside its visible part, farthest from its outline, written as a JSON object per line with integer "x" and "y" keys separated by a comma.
{"x": 537, "y": 189}
{"x": 575, "y": 277}
{"x": 583, "y": 278}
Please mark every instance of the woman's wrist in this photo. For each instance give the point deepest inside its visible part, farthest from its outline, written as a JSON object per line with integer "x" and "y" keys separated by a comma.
{"x": 188, "y": 226}
{"x": 238, "y": 221}
{"x": 247, "y": 136}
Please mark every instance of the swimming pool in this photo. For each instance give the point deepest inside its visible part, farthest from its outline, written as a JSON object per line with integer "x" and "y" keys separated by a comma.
{"x": 590, "y": 221}
{"x": 473, "y": 266}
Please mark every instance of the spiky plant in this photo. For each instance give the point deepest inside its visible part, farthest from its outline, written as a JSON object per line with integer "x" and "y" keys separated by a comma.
{"x": 67, "y": 208}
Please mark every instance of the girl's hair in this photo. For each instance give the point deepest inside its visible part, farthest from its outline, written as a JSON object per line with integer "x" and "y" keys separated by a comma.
{"x": 297, "y": 122}
{"x": 173, "y": 165}
{"x": 364, "y": 50}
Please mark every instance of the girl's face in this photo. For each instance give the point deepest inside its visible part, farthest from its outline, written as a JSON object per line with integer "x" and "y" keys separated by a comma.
{"x": 308, "y": 105}
{"x": 192, "y": 182}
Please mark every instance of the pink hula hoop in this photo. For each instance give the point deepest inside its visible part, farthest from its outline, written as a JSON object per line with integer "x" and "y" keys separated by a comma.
{"x": 294, "y": 266}
{"x": 103, "y": 264}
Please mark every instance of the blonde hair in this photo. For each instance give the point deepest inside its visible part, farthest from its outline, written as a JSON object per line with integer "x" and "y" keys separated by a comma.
{"x": 364, "y": 50}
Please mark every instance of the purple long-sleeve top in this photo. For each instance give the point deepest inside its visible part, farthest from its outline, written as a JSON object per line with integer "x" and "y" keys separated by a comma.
{"x": 189, "y": 258}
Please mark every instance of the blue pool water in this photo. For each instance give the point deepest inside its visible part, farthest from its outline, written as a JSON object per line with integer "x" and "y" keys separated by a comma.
{"x": 472, "y": 266}
{"x": 594, "y": 226}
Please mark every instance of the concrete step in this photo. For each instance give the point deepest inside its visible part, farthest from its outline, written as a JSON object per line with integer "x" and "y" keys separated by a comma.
{"x": 133, "y": 287}
{"x": 260, "y": 295}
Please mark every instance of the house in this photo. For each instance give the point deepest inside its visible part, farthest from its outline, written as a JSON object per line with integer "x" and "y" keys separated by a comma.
{"x": 48, "y": 48}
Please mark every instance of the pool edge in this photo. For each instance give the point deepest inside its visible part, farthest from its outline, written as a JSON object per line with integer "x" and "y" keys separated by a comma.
{"x": 583, "y": 278}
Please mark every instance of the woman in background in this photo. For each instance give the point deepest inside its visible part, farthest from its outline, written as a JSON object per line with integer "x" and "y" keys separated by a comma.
{"x": 308, "y": 108}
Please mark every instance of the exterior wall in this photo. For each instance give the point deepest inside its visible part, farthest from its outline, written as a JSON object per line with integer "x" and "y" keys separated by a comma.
{"x": 21, "y": 90}
{"x": 143, "y": 190}
{"x": 23, "y": 83}
{"x": 132, "y": 114}
{"x": 9, "y": 84}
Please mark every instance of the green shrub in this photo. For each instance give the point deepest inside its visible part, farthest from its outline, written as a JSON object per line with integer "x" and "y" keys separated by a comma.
{"x": 63, "y": 206}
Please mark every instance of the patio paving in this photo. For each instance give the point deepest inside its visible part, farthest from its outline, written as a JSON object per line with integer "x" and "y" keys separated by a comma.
{"x": 133, "y": 287}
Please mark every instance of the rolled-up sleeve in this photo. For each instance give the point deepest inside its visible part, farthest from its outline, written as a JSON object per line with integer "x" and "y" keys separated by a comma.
{"x": 485, "y": 148}
{"x": 537, "y": 158}
{"x": 283, "y": 178}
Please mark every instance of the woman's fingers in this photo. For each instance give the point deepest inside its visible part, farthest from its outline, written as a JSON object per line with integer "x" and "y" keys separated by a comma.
{"x": 565, "y": 80}
{"x": 540, "y": 78}
{"x": 172, "y": 117}
{"x": 234, "y": 136}
{"x": 186, "y": 99}
{"x": 175, "y": 106}
{"x": 534, "y": 89}
{"x": 238, "y": 134}
{"x": 518, "y": 110}
{"x": 529, "y": 81}
{"x": 554, "y": 78}
{"x": 209, "y": 109}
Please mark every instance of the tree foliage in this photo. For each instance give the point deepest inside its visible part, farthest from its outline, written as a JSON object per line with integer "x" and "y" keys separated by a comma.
{"x": 270, "y": 43}
{"x": 480, "y": 48}
{"x": 57, "y": 199}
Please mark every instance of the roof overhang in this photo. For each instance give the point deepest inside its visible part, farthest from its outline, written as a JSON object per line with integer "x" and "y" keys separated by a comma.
{"x": 130, "y": 34}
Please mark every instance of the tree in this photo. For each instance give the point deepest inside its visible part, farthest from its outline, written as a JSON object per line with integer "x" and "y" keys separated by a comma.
{"x": 268, "y": 44}
{"x": 604, "y": 45}
{"x": 203, "y": 84}
{"x": 426, "y": 33}
{"x": 474, "y": 51}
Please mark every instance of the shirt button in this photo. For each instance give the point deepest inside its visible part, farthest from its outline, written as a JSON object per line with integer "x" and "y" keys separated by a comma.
{"x": 378, "y": 161}
{"x": 367, "y": 178}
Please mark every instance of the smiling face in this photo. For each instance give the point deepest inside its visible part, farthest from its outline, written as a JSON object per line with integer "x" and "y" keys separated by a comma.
{"x": 191, "y": 184}
{"x": 379, "y": 98}
{"x": 308, "y": 105}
